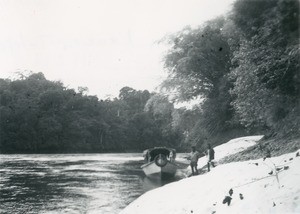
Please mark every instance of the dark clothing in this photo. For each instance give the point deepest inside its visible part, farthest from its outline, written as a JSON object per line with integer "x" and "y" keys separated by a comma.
{"x": 194, "y": 164}
{"x": 211, "y": 154}
{"x": 210, "y": 157}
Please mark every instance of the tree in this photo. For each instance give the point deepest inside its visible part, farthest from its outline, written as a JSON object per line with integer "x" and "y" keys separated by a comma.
{"x": 267, "y": 79}
{"x": 199, "y": 63}
{"x": 133, "y": 100}
{"x": 198, "y": 60}
{"x": 162, "y": 111}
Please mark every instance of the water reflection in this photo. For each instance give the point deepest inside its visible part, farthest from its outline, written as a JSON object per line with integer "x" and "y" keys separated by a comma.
{"x": 149, "y": 183}
{"x": 98, "y": 183}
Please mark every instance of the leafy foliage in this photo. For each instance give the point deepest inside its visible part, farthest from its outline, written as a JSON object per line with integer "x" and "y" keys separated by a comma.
{"x": 267, "y": 78}
{"x": 41, "y": 116}
{"x": 199, "y": 62}
{"x": 246, "y": 68}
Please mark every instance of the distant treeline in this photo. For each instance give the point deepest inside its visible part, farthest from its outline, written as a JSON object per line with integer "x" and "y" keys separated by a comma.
{"x": 244, "y": 67}
{"x": 42, "y": 116}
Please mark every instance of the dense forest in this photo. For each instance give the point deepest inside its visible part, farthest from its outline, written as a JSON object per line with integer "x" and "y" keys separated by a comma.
{"x": 243, "y": 68}
{"x": 42, "y": 116}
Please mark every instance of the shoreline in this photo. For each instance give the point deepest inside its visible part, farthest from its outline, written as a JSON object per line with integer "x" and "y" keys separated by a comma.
{"x": 204, "y": 193}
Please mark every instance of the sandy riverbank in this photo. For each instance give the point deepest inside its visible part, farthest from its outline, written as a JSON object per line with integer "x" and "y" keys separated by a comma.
{"x": 266, "y": 186}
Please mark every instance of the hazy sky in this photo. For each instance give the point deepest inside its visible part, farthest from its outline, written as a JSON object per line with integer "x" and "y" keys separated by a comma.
{"x": 101, "y": 44}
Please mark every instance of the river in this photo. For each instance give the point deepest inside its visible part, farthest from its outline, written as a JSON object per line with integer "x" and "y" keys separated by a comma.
{"x": 71, "y": 183}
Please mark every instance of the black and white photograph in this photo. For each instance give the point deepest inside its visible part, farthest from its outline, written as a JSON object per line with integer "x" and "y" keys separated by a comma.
{"x": 149, "y": 106}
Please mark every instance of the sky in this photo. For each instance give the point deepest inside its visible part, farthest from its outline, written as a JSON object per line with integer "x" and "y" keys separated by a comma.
{"x": 100, "y": 44}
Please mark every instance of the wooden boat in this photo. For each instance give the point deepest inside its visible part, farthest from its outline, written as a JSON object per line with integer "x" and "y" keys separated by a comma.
{"x": 160, "y": 163}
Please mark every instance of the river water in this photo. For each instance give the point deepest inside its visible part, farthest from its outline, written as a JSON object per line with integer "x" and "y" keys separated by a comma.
{"x": 71, "y": 183}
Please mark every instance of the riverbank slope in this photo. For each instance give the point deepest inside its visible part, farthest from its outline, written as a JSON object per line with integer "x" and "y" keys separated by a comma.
{"x": 259, "y": 186}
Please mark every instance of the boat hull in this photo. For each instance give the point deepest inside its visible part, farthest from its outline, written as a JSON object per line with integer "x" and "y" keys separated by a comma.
{"x": 162, "y": 172}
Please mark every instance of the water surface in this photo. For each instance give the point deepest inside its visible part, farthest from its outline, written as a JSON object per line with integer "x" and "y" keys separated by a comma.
{"x": 71, "y": 183}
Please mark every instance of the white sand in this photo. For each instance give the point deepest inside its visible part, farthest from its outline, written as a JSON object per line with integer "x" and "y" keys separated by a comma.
{"x": 204, "y": 193}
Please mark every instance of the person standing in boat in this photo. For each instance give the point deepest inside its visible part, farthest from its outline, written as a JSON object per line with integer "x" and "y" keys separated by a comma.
{"x": 172, "y": 155}
{"x": 194, "y": 156}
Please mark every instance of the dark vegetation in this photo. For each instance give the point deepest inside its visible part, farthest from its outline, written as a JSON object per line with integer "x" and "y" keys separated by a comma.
{"x": 42, "y": 116}
{"x": 244, "y": 69}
